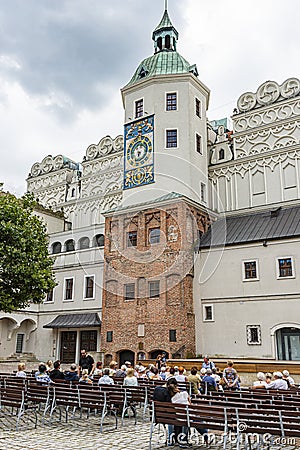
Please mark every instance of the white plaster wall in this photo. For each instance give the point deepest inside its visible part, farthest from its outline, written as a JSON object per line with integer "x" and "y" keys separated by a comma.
{"x": 236, "y": 303}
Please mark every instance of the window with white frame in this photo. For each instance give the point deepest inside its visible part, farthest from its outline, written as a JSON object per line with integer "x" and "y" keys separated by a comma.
{"x": 171, "y": 138}
{"x": 250, "y": 270}
{"x": 68, "y": 288}
{"x": 253, "y": 334}
{"x": 49, "y": 297}
{"x": 171, "y": 101}
{"x": 89, "y": 286}
{"x": 208, "y": 313}
{"x": 285, "y": 267}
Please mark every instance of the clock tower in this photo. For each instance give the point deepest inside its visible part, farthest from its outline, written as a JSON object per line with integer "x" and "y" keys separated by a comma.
{"x": 148, "y": 278}
{"x": 165, "y": 124}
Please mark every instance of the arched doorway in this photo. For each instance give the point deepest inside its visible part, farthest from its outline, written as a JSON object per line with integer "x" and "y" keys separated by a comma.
{"x": 126, "y": 355}
{"x": 154, "y": 354}
{"x": 288, "y": 344}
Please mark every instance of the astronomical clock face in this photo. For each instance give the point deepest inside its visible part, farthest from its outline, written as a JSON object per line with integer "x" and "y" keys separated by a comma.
{"x": 138, "y": 153}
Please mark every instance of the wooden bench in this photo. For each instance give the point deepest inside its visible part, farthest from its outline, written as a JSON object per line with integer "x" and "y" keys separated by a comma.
{"x": 13, "y": 398}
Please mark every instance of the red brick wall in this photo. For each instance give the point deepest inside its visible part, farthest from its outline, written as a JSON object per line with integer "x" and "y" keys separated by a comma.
{"x": 170, "y": 262}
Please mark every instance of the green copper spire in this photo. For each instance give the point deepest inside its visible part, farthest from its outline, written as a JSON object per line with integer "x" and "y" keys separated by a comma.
{"x": 166, "y": 60}
{"x": 165, "y": 35}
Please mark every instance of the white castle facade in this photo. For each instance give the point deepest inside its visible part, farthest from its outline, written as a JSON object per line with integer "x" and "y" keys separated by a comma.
{"x": 246, "y": 273}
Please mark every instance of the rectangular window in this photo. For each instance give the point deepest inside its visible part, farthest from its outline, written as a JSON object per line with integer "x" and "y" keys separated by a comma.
{"x": 19, "y": 343}
{"x": 208, "y": 313}
{"x": 88, "y": 340}
{"x": 109, "y": 336}
{"x": 89, "y": 287}
{"x": 253, "y": 334}
{"x": 171, "y": 138}
{"x": 202, "y": 192}
{"x": 285, "y": 267}
{"x": 171, "y": 102}
{"x": 132, "y": 239}
{"x": 198, "y": 144}
{"x": 154, "y": 236}
{"x": 172, "y": 335}
{"x": 198, "y": 107}
{"x": 69, "y": 284}
{"x": 129, "y": 291}
{"x": 139, "y": 108}
{"x": 49, "y": 297}
{"x": 250, "y": 270}
{"x": 154, "y": 289}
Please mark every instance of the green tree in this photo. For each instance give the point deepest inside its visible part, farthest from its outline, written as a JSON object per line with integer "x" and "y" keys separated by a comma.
{"x": 25, "y": 266}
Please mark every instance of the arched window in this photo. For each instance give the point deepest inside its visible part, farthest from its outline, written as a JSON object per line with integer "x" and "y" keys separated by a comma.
{"x": 159, "y": 43}
{"x": 221, "y": 154}
{"x": 84, "y": 243}
{"x": 98, "y": 240}
{"x": 70, "y": 245}
{"x": 56, "y": 247}
{"x": 73, "y": 192}
{"x": 167, "y": 41}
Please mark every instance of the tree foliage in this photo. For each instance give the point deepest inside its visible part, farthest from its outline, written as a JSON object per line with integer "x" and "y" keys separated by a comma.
{"x": 25, "y": 266}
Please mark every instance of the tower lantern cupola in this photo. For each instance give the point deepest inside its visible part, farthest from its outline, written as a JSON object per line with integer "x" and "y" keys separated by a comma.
{"x": 165, "y": 35}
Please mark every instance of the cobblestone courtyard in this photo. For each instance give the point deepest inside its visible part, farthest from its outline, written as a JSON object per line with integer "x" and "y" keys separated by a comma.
{"x": 84, "y": 434}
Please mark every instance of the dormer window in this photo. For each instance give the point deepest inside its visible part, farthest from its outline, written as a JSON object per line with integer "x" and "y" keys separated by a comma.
{"x": 143, "y": 72}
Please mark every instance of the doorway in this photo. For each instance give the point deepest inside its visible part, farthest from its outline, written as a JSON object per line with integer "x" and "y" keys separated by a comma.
{"x": 288, "y": 344}
{"x": 126, "y": 355}
{"x": 68, "y": 347}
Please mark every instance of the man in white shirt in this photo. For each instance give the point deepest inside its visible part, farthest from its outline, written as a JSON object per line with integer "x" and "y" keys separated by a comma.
{"x": 278, "y": 382}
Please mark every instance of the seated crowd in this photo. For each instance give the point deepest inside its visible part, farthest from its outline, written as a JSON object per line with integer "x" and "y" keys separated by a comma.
{"x": 208, "y": 378}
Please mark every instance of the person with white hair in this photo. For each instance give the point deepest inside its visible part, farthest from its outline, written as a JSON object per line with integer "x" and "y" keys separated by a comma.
{"x": 261, "y": 381}
{"x": 286, "y": 376}
{"x": 278, "y": 382}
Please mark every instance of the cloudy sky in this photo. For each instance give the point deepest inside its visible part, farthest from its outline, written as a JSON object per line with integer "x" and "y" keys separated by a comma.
{"x": 63, "y": 62}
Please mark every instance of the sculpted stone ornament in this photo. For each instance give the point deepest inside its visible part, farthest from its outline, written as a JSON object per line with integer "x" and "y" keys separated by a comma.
{"x": 268, "y": 93}
{"x": 105, "y": 145}
{"x": 246, "y": 102}
{"x": 290, "y": 88}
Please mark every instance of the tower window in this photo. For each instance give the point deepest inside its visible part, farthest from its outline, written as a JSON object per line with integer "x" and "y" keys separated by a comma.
{"x": 132, "y": 239}
{"x": 198, "y": 107}
{"x": 198, "y": 143}
{"x": 221, "y": 154}
{"x": 159, "y": 43}
{"x": 167, "y": 41}
{"x": 109, "y": 336}
{"x": 172, "y": 336}
{"x": 154, "y": 236}
{"x": 202, "y": 192}
{"x": 129, "y": 291}
{"x": 139, "y": 108}
{"x": 171, "y": 101}
{"x": 154, "y": 289}
{"x": 171, "y": 138}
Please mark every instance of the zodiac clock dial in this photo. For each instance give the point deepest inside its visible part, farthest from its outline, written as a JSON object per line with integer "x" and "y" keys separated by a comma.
{"x": 139, "y": 151}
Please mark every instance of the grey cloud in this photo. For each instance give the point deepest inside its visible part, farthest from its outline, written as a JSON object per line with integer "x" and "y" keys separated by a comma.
{"x": 75, "y": 49}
